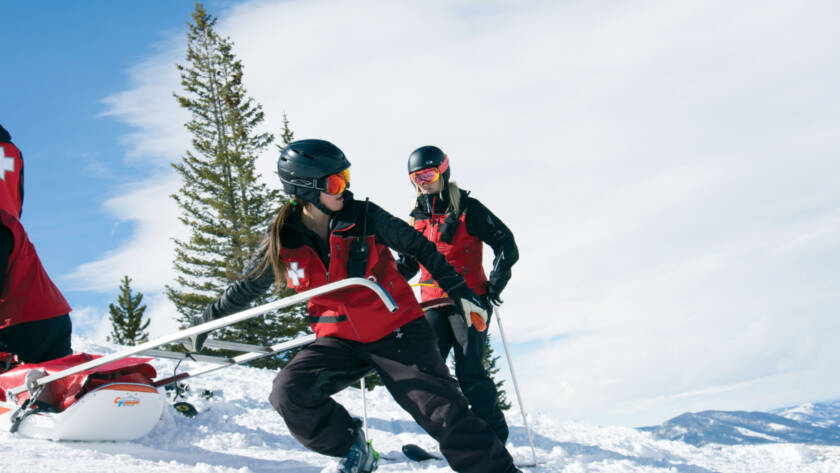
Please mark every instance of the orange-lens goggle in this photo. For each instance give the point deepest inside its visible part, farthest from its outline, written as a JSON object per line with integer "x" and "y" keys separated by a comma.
{"x": 429, "y": 175}
{"x": 336, "y": 183}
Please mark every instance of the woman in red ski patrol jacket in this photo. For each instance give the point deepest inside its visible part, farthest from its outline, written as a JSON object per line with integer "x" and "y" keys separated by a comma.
{"x": 325, "y": 235}
{"x": 459, "y": 226}
{"x": 34, "y": 321}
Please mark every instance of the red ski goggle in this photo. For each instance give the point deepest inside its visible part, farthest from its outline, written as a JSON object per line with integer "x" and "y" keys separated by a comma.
{"x": 336, "y": 183}
{"x": 429, "y": 175}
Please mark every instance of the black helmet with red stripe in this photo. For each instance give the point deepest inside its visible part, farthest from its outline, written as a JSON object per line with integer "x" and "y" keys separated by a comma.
{"x": 426, "y": 157}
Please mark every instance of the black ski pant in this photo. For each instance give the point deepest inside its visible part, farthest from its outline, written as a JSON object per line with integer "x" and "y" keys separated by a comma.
{"x": 476, "y": 384}
{"x": 414, "y": 373}
{"x": 39, "y": 341}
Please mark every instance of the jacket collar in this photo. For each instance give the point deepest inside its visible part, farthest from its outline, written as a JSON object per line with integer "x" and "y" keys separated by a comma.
{"x": 344, "y": 218}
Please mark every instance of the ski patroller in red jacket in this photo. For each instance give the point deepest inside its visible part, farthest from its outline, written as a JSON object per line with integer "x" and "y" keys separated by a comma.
{"x": 464, "y": 252}
{"x": 28, "y": 294}
{"x": 353, "y": 313}
{"x": 476, "y": 226}
{"x": 11, "y": 178}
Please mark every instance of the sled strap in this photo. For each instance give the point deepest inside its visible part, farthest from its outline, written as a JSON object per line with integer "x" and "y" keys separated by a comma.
{"x": 28, "y": 408}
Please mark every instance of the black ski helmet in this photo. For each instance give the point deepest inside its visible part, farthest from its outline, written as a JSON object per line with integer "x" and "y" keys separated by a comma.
{"x": 428, "y": 157}
{"x": 304, "y": 166}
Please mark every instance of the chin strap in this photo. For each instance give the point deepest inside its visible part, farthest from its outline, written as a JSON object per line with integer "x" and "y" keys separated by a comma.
{"x": 313, "y": 196}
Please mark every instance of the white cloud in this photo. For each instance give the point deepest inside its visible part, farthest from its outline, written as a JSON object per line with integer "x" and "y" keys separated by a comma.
{"x": 91, "y": 322}
{"x": 147, "y": 256}
{"x": 669, "y": 169}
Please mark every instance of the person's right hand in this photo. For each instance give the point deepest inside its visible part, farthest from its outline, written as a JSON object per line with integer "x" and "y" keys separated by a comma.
{"x": 493, "y": 295}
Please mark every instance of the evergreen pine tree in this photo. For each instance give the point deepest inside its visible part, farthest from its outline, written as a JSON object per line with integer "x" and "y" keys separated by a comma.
{"x": 489, "y": 362}
{"x": 225, "y": 207}
{"x": 287, "y": 135}
{"x": 127, "y": 325}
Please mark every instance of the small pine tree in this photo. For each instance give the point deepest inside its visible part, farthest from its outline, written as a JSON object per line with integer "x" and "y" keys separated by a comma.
{"x": 489, "y": 362}
{"x": 127, "y": 325}
{"x": 287, "y": 135}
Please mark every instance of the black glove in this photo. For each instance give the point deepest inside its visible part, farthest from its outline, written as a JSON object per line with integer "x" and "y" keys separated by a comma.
{"x": 471, "y": 306}
{"x": 495, "y": 286}
{"x": 492, "y": 296}
{"x": 407, "y": 266}
{"x": 196, "y": 342}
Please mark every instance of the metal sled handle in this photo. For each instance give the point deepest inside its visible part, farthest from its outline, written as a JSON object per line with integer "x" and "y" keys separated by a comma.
{"x": 212, "y": 325}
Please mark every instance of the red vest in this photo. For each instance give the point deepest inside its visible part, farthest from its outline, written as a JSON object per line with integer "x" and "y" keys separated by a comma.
{"x": 464, "y": 253}
{"x": 11, "y": 164}
{"x": 28, "y": 293}
{"x": 355, "y": 313}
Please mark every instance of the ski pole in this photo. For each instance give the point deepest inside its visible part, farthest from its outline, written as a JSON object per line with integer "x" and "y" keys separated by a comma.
{"x": 516, "y": 388}
{"x": 364, "y": 408}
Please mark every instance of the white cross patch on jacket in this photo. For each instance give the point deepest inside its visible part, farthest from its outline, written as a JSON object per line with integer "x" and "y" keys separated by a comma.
{"x": 295, "y": 273}
{"x": 7, "y": 164}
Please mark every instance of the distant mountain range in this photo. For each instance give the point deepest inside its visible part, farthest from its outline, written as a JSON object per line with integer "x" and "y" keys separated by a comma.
{"x": 813, "y": 423}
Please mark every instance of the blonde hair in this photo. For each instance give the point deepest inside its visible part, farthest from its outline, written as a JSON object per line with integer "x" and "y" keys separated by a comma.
{"x": 454, "y": 199}
{"x": 272, "y": 245}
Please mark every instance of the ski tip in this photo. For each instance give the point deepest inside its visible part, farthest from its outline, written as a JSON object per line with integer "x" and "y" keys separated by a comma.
{"x": 417, "y": 453}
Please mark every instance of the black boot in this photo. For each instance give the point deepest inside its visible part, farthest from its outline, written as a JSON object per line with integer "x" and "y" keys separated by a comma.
{"x": 360, "y": 458}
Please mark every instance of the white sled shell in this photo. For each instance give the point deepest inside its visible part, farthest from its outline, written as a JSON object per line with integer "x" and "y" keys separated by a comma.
{"x": 117, "y": 411}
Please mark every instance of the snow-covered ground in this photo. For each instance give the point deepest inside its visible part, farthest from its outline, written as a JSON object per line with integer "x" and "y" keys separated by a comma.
{"x": 238, "y": 431}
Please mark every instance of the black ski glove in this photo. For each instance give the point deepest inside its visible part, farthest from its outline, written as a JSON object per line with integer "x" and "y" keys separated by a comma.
{"x": 196, "y": 342}
{"x": 471, "y": 306}
{"x": 495, "y": 286}
{"x": 407, "y": 266}
{"x": 493, "y": 294}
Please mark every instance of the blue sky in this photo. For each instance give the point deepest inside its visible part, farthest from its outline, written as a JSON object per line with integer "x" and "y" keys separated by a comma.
{"x": 65, "y": 58}
{"x": 669, "y": 169}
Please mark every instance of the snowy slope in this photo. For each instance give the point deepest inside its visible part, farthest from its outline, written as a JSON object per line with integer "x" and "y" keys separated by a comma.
{"x": 238, "y": 431}
{"x": 823, "y": 414}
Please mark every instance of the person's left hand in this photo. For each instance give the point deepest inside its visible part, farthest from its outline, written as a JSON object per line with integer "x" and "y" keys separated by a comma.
{"x": 471, "y": 306}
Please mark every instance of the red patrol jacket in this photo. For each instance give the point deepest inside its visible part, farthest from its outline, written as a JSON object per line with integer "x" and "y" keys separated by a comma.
{"x": 464, "y": 253}
{"x": 28, "y": 293}
{"x": 355, "y": 313}
{"x": 11, "y": 166}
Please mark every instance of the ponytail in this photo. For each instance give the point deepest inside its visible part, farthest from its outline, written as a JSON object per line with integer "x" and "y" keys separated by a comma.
{"x": 272, "y": 245}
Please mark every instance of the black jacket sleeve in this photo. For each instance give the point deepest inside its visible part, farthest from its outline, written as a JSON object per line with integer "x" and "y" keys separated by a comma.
{"x": 7, "y": 244}
{"x": 407, "y": 266}
{"x": 481, "y": 223}
{"x": 239, "y": 295}
{"x": 403, "y": 238}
